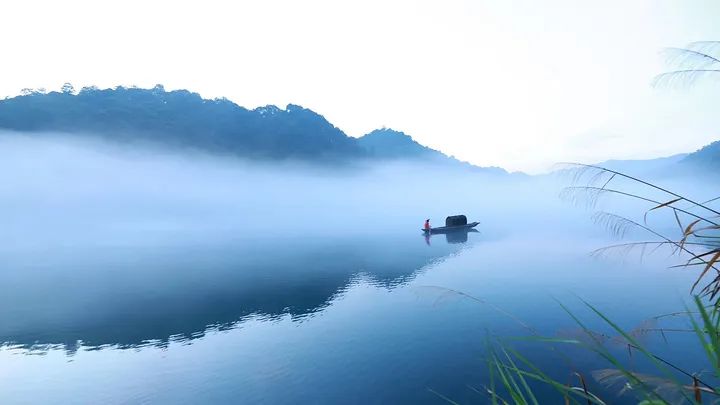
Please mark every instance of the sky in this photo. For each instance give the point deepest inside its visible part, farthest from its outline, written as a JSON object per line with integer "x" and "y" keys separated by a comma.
{"x": 520, "y": 84}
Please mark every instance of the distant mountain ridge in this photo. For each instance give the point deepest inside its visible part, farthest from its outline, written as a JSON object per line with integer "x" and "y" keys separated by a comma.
{"x": 641, "y": 167}
{"x": 706, "y": 157}
{"x": 184, "y": 119}
{"x": 389, "y": 144}
{"x": 181, "y": 118}
{"x": 703, "y": 161}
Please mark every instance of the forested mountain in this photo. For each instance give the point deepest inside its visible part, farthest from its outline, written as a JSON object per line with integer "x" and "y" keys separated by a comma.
{"x": 707, "y": 157}
{"x": 388, "y": 144}
{"x": 184, "y": 119}
{"x": 181, "y": 118}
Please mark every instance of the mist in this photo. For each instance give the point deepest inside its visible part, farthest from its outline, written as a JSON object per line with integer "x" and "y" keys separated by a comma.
{"x": 64, "y": 190}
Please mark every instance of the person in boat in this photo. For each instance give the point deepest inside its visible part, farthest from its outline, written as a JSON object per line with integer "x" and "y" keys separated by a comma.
{"x": 427, "y": 225}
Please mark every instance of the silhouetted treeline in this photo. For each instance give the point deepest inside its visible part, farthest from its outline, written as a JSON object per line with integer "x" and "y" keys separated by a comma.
{"x": 180, "y": 118}
{"x": 708, "y": 156}
{"x": 184, "y": 119}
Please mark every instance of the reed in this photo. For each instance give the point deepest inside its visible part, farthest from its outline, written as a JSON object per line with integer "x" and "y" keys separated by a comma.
{"x": 697, "y": 237}
{"x": 695, "y": 62}
{"x": 513, "y": 378}
{"x": 695, "y": 241}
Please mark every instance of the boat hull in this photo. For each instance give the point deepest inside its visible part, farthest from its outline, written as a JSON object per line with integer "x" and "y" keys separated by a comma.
{"x": 450, "y": 229}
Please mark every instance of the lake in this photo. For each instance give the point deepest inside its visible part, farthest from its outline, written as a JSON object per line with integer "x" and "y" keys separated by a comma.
{"x": 133, "y": 277}
{"x": 346, "y": 319}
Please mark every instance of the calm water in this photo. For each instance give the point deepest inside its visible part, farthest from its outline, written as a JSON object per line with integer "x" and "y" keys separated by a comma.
{"x": 347, "y": 318}
{"x": 141, "y": 277}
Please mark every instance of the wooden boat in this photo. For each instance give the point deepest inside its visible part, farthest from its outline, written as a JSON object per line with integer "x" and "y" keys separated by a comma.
{"x": 449, "y": 229}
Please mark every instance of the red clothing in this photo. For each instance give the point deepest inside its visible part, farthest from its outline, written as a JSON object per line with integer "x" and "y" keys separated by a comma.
{"x": 427, "y": 225}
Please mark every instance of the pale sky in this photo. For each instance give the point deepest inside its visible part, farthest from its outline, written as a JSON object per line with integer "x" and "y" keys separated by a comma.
{"x": 520, "y": 84}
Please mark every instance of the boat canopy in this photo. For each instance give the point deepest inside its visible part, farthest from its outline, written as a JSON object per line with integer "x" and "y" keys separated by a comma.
{"x": 456, "y": 220}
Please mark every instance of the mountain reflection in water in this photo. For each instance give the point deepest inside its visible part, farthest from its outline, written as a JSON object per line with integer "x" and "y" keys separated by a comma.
{"x": 129, "y": 296}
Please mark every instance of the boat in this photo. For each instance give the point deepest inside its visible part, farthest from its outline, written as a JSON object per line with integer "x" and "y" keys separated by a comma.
{"x": 453, "y": 223}
{"x": 449, "y": 229}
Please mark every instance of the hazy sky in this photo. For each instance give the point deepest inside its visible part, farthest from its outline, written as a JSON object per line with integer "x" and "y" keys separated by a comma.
{"x": 520, "y": 84}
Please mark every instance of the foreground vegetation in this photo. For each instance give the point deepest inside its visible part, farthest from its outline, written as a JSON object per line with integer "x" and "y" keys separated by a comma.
{"x": 515, "y": 379}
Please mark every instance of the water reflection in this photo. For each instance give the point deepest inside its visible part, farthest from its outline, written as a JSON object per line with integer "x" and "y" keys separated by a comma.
{"x": 455, "y": 237}
{"x": 458, "y": 237}
{"x": 126, "y": 296}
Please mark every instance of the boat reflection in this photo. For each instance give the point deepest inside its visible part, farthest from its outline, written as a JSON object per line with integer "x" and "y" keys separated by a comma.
{"x": 455, "y": 237}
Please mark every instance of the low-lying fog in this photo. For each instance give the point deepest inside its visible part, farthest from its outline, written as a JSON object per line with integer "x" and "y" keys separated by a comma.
{"x": 65, "y": 190}
{"x": 60, "y": 191}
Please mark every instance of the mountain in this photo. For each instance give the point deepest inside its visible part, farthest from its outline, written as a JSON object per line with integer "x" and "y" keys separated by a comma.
{"x": 181, "y": 118}
{"x": 703, "y": 162}
{"x": 706, "y": 157}
{"x": 388, "y": 144}
{"x": 643, "y": 167}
